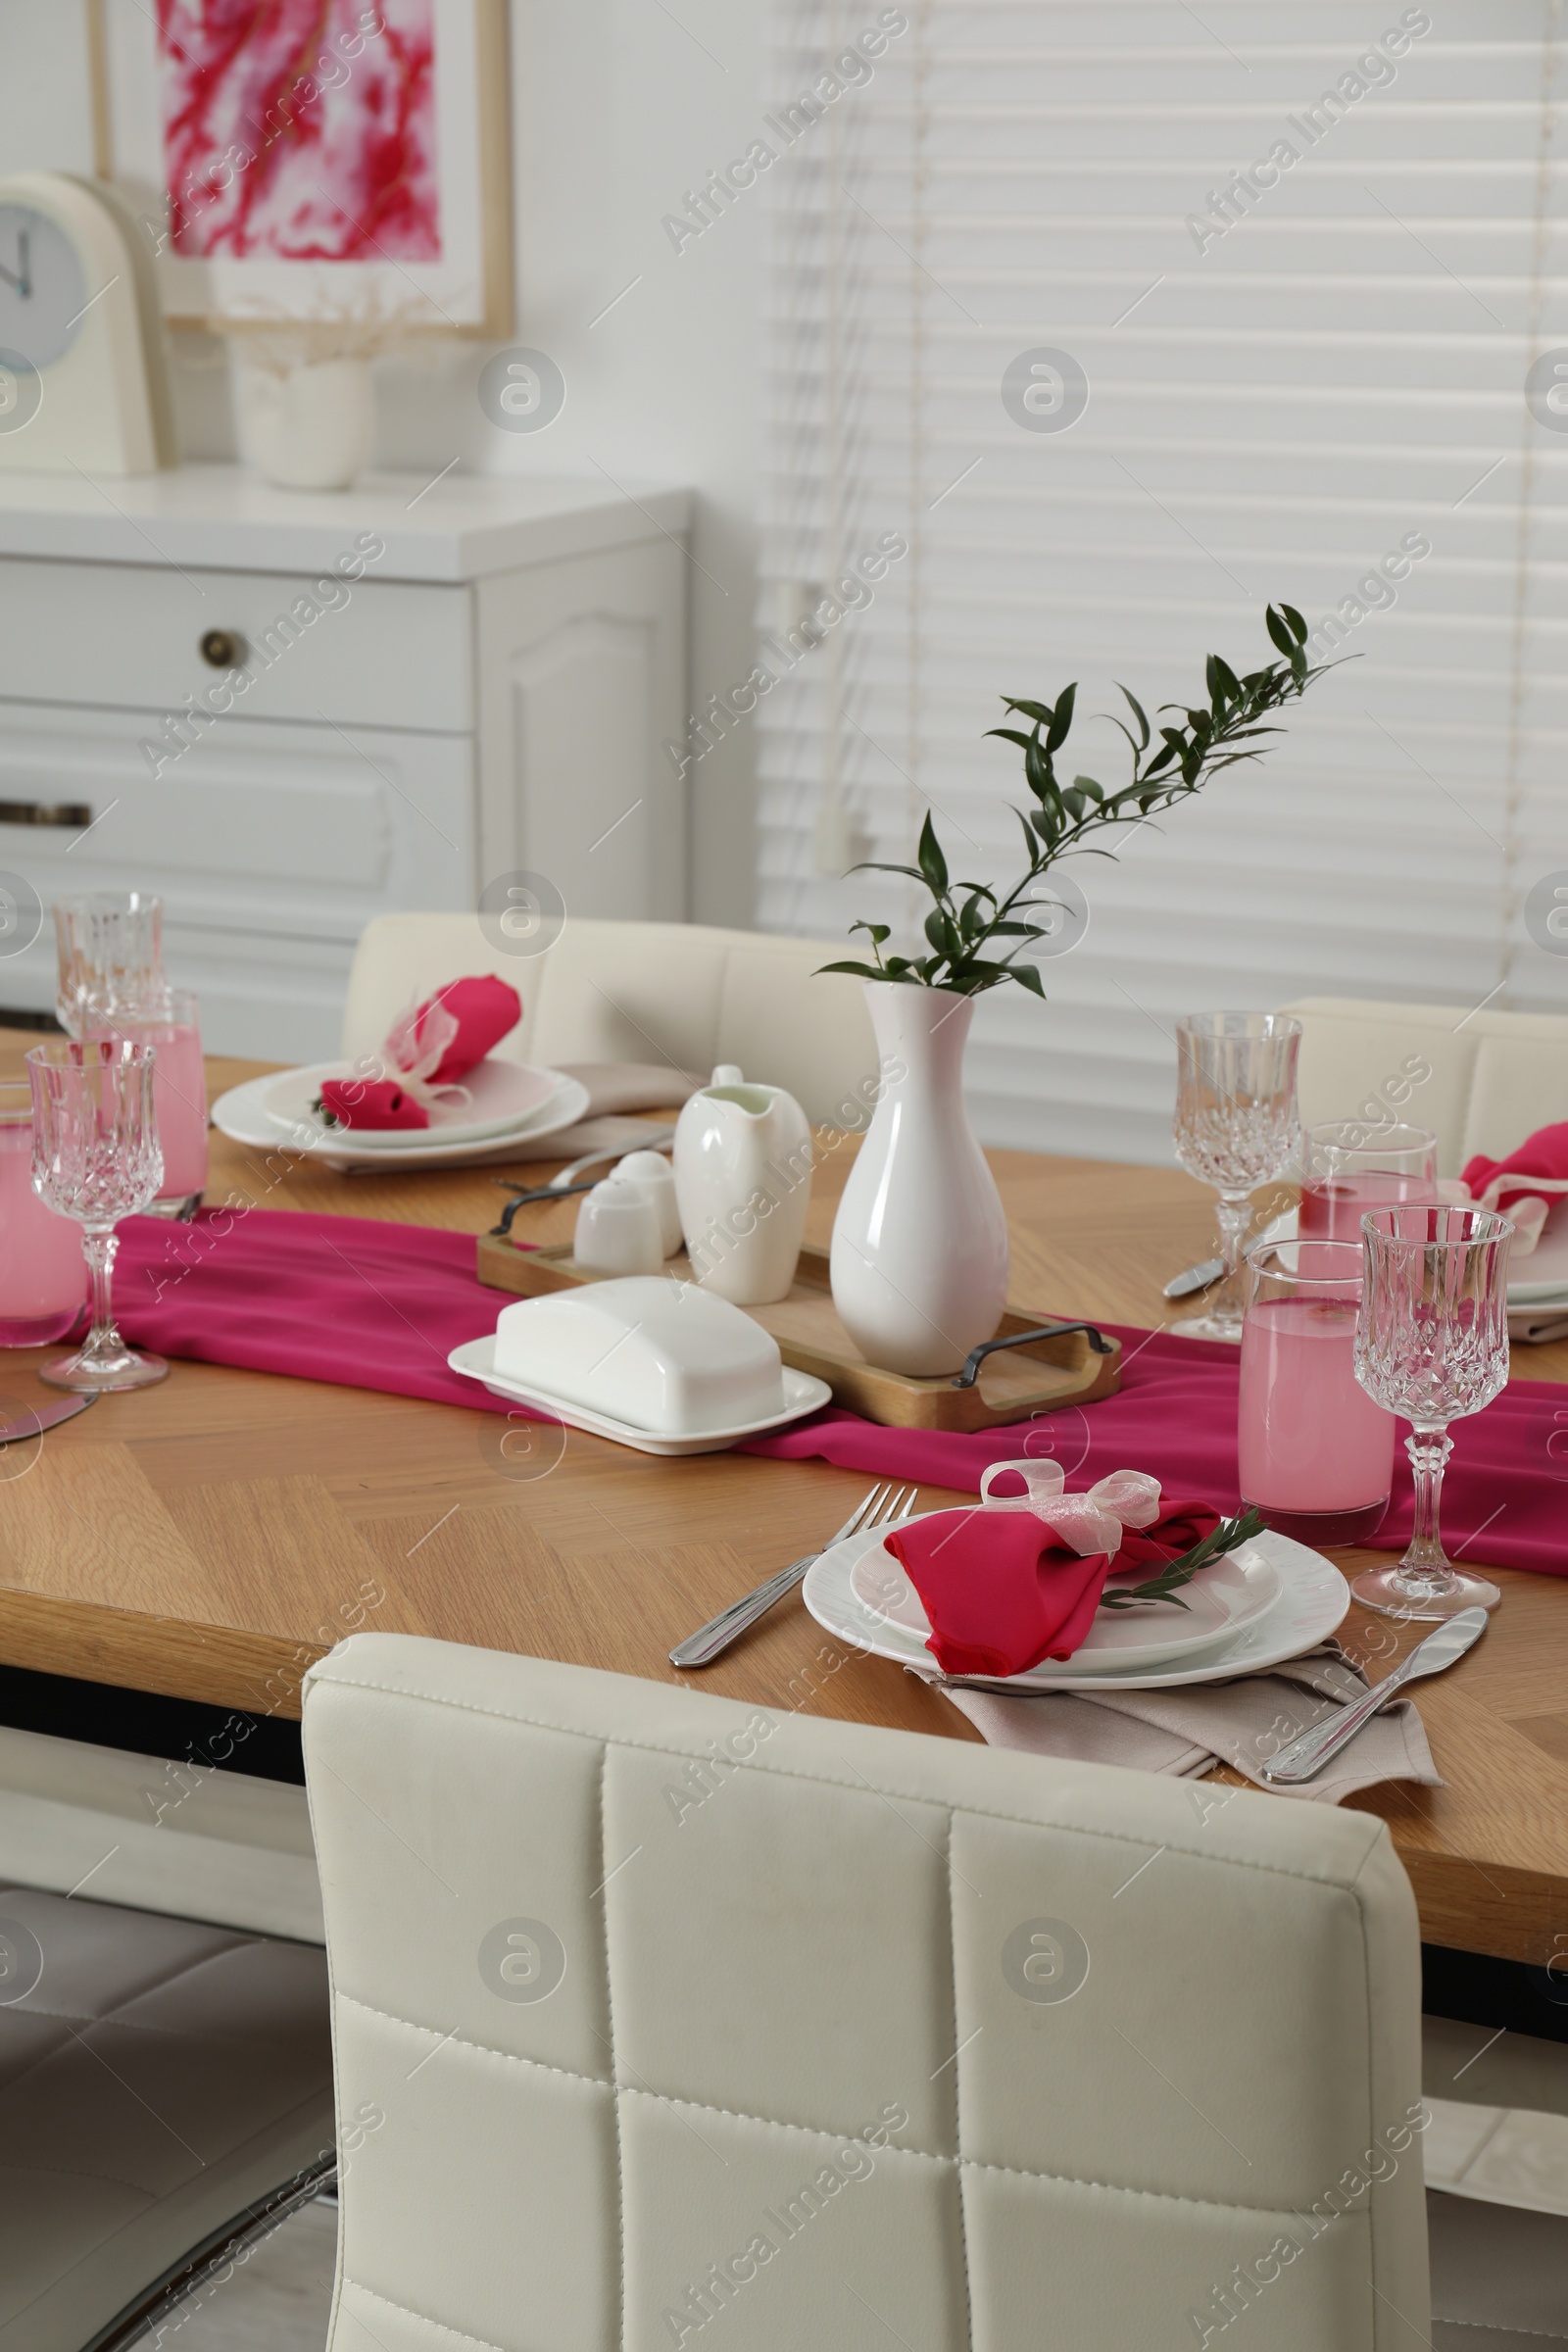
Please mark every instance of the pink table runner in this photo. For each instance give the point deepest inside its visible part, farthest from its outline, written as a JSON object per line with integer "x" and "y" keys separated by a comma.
{"x": 374, "y": 1305}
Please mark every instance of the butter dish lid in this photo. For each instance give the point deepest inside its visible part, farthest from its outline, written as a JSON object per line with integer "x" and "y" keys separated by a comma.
{"x": 658, "y": 1353}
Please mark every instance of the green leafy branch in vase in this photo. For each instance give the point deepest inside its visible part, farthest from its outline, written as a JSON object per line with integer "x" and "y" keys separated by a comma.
{"x": 1170, "y": 765}
{"x": 1229, "y": 1533}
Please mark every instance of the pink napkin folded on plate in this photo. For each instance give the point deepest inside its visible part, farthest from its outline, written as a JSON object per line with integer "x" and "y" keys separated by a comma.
{"x": 1525, "y": 1185}
{"x": 435, "y": 1046}
{"x": 1003, "y": 1591}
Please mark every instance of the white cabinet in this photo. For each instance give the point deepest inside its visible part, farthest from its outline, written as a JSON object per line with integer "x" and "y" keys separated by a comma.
{"x": 490, "y": 688}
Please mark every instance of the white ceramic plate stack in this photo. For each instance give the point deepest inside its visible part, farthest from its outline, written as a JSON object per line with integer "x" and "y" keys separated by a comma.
{"x": 1269, "y": 1600}
{"x": 510, "y": 1103}
{"x": 1540, "y": 1282}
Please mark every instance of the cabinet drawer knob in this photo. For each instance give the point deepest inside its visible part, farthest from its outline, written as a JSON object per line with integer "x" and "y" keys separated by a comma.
{"x": 225, "y": 649}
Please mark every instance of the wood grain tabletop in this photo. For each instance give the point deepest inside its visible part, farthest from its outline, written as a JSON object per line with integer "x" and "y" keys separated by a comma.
{"x": 207, "y": 1538}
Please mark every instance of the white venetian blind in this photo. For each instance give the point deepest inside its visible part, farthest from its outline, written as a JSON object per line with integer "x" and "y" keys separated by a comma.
{"x": 1276, "y": 405}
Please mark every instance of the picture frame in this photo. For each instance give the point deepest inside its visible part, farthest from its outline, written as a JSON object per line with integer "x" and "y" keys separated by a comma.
{"x": 252, "y": 198}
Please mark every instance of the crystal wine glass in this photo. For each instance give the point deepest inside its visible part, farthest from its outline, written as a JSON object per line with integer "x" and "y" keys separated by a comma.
{"x": 111, "y": 947}
{"x": 95, "y": 1157}
{"x": 1236, "y": 1127}
{"x": 1432, "y": 1344}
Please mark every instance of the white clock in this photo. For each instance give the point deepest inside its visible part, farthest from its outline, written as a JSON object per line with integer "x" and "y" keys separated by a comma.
{"x": 82, "y": 374}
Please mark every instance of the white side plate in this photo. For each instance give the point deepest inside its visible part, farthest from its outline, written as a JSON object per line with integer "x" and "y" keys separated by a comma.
{"x": 475, "y": 1360}
{"x": 503, "y": 1094}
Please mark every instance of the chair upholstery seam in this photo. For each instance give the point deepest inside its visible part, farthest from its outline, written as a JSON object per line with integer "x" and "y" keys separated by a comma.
{"x": 609, "y": 2019}
{"x": 774, "y": 2122}
{"x": 957, "y": 2087}
{"x": 424, "y": 2316}
{"x": 569, "y": 1730}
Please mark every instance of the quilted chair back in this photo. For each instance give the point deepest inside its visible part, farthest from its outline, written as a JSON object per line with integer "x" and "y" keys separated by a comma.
{"x": 666, "y": 2020}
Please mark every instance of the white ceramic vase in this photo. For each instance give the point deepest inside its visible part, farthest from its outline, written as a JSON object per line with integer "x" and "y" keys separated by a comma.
{"x": 919, "y": 1263}
{"x": 743, "y": 1182}
{"x": 311, "y": 430}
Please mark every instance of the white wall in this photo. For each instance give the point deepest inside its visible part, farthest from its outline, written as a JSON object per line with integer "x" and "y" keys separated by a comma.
{"x": 618, "y": 108}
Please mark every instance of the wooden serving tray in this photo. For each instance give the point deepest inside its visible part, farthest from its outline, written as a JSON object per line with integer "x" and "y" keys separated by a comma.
{"x": 1034, "y": 1379}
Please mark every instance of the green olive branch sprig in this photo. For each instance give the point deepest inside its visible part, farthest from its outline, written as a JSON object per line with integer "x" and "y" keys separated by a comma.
{"x": 1181, "y": 1571}
{"x": 968, "y": 917}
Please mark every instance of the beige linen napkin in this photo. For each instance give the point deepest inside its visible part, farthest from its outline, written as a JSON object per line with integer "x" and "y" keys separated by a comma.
{"x": 1189, "y": 1729}
{"x": 1533, "y": 1325}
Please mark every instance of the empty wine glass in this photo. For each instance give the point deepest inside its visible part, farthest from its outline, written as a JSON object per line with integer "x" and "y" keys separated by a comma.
{"x": 95, "y": 1157}
{"x": 111, "y": 947}
{"x": 1236, "y": 1127}
{"x": 1432, "y": 1344}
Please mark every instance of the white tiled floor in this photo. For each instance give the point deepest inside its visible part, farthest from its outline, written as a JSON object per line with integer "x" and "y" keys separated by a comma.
{"x": 278, "y": 2300}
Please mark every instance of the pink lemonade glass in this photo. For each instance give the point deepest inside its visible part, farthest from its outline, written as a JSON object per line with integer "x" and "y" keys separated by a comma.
{"x": 1316, "y": 1453}
{"x": 1348, "y": 1166}
{"x": 167, "y": 1022}
{"x": 43, "y": 1275}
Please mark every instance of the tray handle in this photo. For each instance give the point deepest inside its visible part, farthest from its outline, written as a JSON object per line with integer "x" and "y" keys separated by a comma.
{"x": 1021, "y": 1339}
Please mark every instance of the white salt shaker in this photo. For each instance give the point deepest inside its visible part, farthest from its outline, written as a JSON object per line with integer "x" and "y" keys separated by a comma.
{"x": 618, "y": 1230}
{"x": 654, "y": 1173}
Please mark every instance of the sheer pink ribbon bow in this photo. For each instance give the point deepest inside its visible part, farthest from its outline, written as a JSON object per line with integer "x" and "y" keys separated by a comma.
{"x": 415, "y": 1046}
{"x": 1092, "y": 1522}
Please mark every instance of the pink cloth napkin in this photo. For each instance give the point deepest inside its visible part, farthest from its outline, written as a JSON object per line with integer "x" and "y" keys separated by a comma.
{"x": 1003, "y": 1590}
{"x": 1525, "y": 1186}
{"x": 436, "y": 1045}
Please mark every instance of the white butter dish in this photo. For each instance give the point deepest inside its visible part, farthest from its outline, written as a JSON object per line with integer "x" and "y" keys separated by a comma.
{"x": 654, "y": 1354}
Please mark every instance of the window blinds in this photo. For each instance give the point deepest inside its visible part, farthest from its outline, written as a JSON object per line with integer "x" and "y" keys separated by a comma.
{"x": 1124, "y": 318}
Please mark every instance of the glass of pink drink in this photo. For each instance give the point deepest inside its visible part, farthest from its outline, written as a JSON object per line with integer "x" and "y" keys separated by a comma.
{"x": 1348, "y": 1166}
{"x": 1316, "y": 1454}
{"x": 167, "y": 1022}
{"x": 43, "y": 1275}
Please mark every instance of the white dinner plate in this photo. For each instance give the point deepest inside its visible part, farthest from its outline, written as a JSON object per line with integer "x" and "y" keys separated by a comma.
{"x": 1312, "y": 1601}
{"x": 1543, "y": 1276}
{"x": 1222, "y": 1599}
{"x": 475, "y": 1359}
{"x": 504, "y": 1095}
{"x": 239, "y": 1114}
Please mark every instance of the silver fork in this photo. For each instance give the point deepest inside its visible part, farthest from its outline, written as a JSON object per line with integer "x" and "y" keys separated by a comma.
{"x": 880, "y": 1508}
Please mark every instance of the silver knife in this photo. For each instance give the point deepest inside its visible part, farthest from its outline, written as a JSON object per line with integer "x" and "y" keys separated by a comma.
{"x": 34, "y": 1419}
{"x": 1196, "y": 1278}
{"x": 1309, "y": 1753}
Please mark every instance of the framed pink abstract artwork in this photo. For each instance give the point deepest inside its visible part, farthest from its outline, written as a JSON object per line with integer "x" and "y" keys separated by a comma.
{"x": 312, "y": 156}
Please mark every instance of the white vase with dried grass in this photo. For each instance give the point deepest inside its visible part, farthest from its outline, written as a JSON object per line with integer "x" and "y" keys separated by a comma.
{"x": 304, "y": 394}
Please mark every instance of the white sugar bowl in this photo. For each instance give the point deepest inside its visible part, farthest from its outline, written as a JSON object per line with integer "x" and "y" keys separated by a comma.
{"x": 654, "y": 1173}
{"x": 619, "y": 1230}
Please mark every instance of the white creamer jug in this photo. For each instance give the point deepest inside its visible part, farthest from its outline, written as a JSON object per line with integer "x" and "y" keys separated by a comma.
{"x": 743, "y": 1181}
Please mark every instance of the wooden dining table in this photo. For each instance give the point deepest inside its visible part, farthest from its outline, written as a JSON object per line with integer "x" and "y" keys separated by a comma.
{"x": 207, "y": 1538}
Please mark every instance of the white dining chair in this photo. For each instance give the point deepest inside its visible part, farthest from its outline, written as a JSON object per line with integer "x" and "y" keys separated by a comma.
{"x": 165, "y": 2099}
{"x": 1480, "y": 1080}
{"x": 676, "y": 994}
{"x": 692, "y": 2020}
